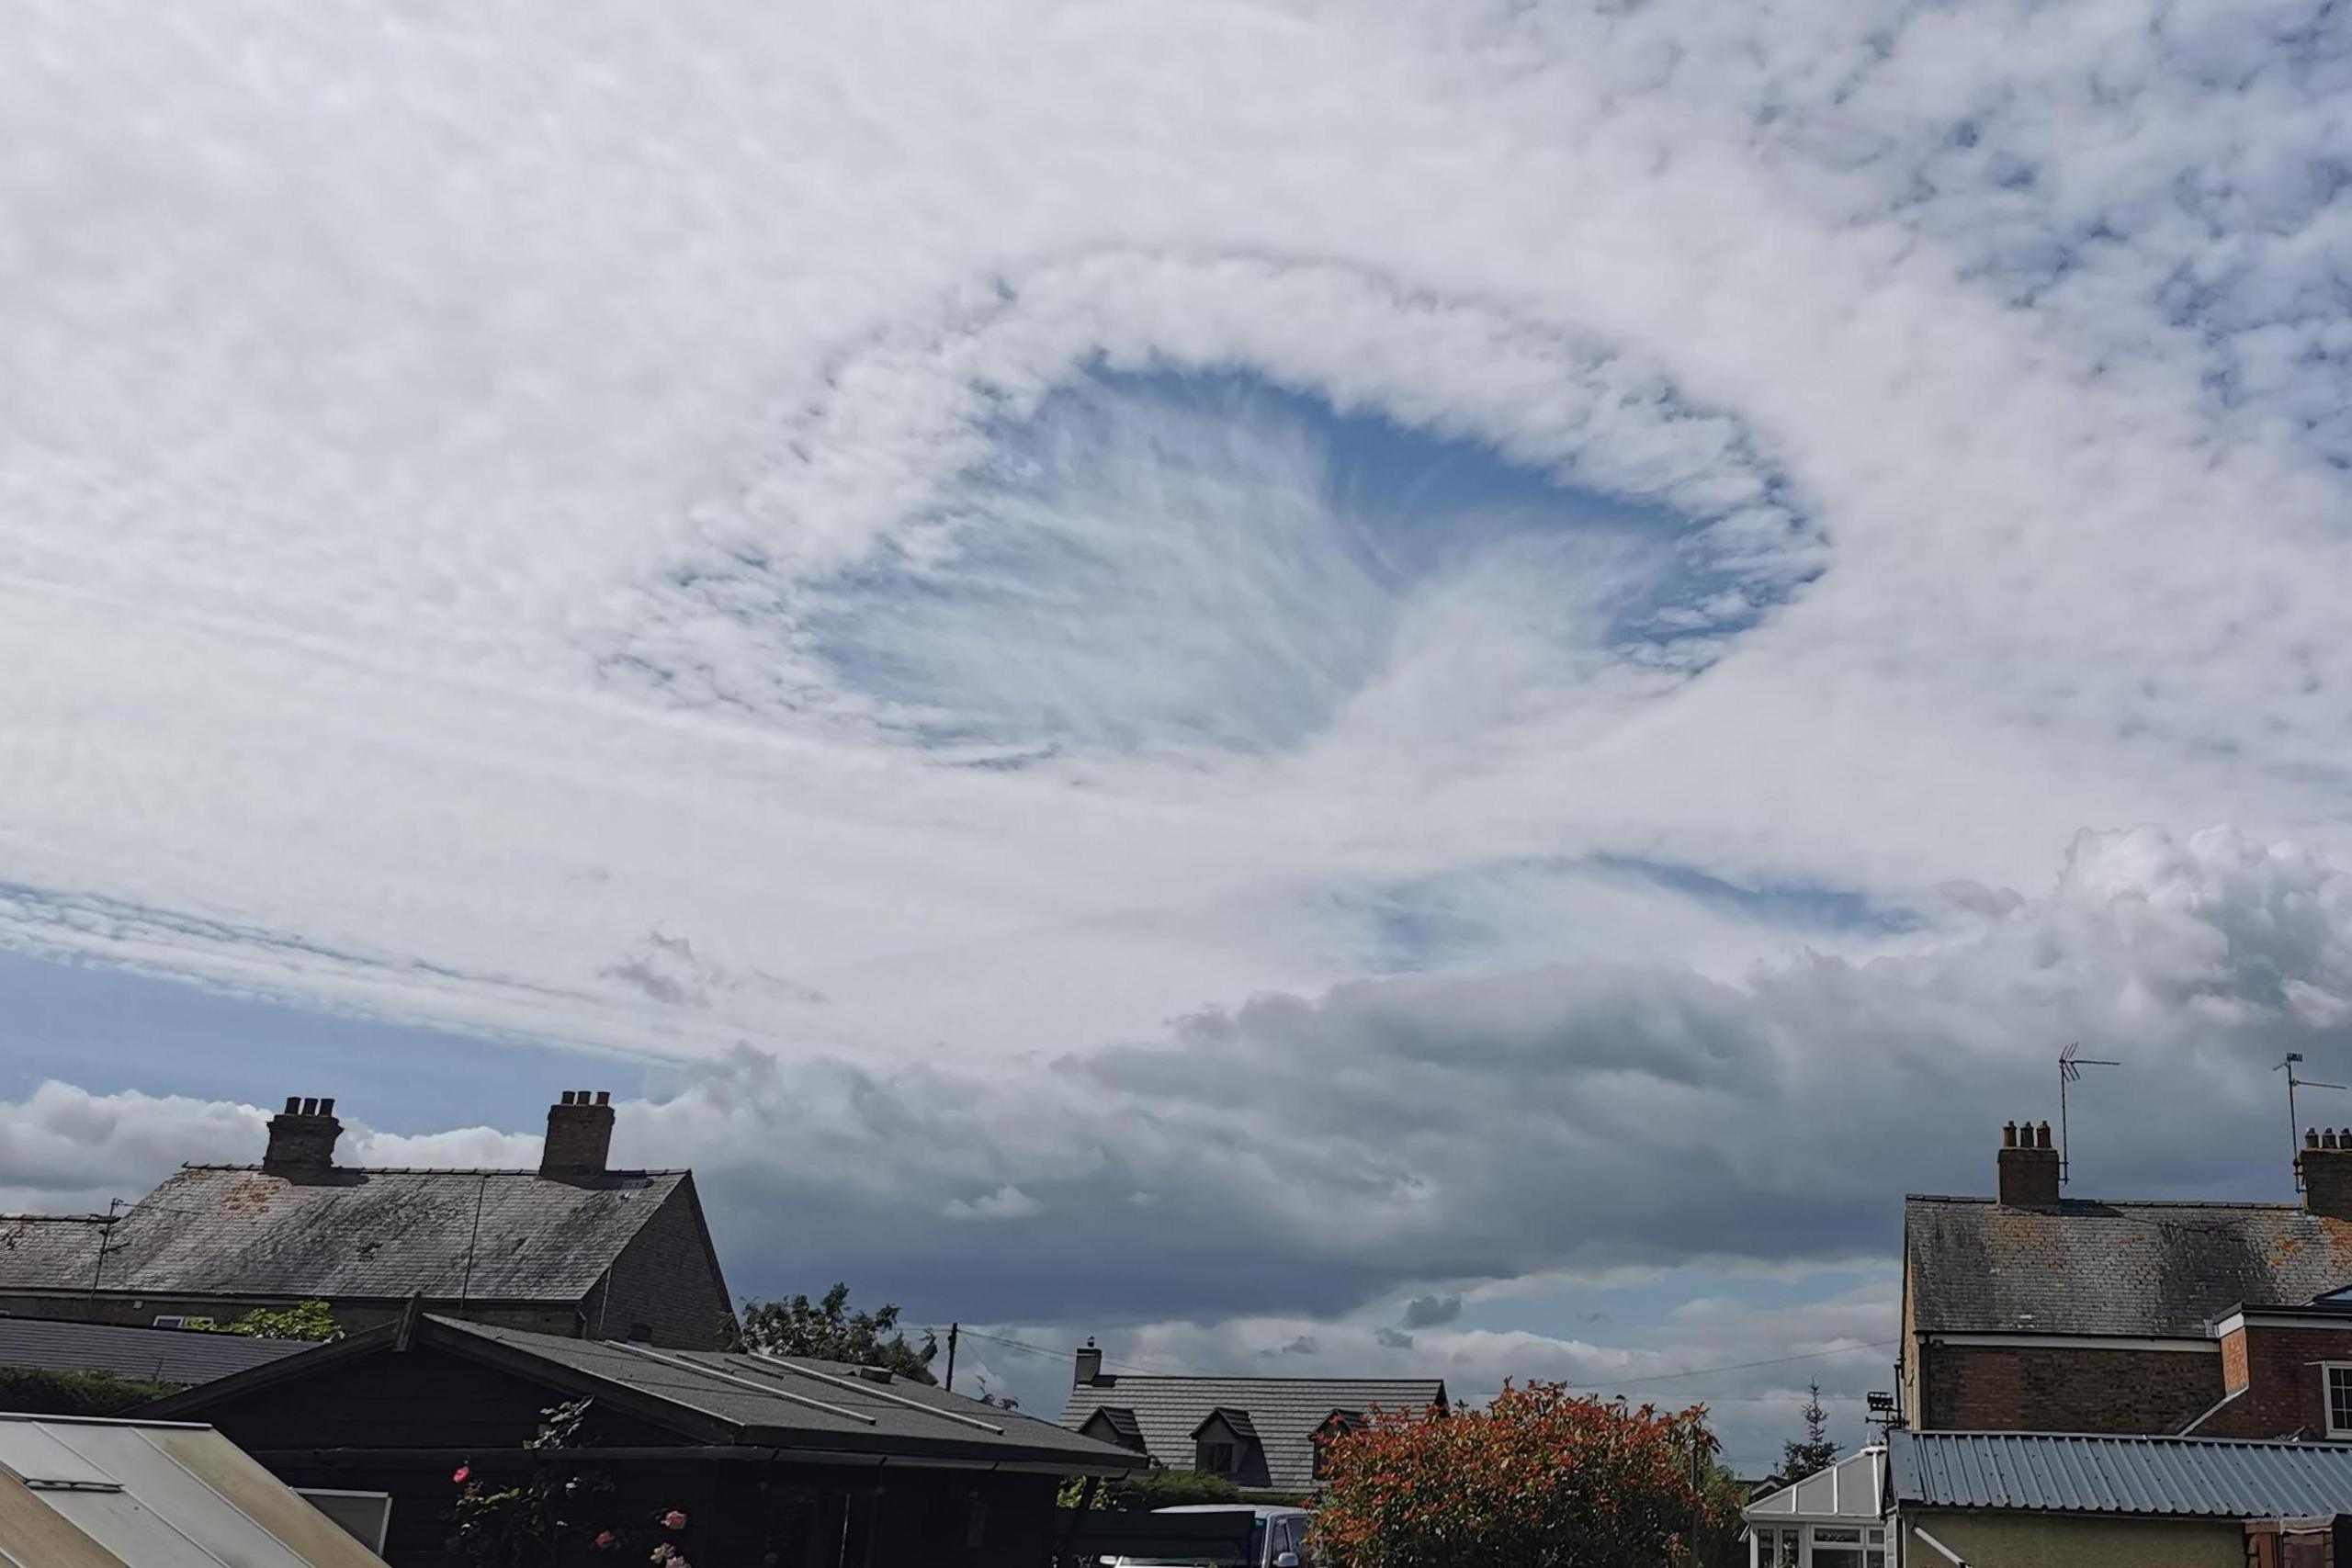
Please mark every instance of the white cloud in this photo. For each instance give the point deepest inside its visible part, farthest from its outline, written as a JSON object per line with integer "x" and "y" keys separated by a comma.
{"x": 453, "y": 467}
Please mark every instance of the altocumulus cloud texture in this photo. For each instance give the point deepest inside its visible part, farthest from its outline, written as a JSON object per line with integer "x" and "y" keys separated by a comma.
{"x": 1529, "y": 576}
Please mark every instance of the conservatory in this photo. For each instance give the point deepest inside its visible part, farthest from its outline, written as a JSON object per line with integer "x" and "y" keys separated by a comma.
{"x": 1832, "y": 1518}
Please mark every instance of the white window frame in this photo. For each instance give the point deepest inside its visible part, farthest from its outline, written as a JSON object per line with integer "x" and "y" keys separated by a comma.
{"x": 2327, "y": 1371}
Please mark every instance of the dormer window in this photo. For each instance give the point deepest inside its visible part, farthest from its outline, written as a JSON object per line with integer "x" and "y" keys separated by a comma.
{"x": 1217, "y": 1458}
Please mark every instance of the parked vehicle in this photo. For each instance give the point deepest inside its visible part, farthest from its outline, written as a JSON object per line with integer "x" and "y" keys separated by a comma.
{"x": 1277, "y": 1538}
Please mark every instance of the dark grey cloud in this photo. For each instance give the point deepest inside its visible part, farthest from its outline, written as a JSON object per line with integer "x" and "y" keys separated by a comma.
{"x": 1397, "y": 1138}
{"x": 1429, "y": 1312}
{"x": 1309, "y": 1155}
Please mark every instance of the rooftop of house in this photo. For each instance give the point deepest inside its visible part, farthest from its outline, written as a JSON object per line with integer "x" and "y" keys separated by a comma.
{"x": 1164, "y": 1412}
{"x": 299, "y": 1224}
{"x": 2159, "y": 1271}
{"x": 723, "y": 1400}
{"x": 2032, "y": 1261}
{"x": 182, "y": 1356}
{"x": 2075, "y": 1473}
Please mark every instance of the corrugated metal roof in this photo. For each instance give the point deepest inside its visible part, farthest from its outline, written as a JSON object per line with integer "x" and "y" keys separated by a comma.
{"x": 1285, "y": 1412}
{"x": 164, "y": 1355}
{"x": 2194, "y": 1477}
{"x": 81, "y": 1494}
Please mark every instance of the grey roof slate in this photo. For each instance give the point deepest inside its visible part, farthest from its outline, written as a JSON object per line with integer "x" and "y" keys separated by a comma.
{"x": 763, "y": 1401}
{"x": 2154, "y": 1269}
{"x": 182, "y": 1356}
{"x": 2200, "y": 1477}
{"x": 59, "y": 1249}
{"x": 1285, "y": 1411}
{"x": 235, "y": 1230}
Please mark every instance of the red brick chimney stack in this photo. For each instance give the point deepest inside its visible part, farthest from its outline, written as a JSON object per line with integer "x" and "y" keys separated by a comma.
{"x": 580, "y": 1135}
{"x": 2029, "y": 1169}
{"x": 2325, "y": 1167}
{"x": 302, "y": 1140}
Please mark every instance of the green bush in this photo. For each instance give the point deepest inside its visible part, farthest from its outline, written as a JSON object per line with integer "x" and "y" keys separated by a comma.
{"x": 1154, "y": 1489}
{"x": 44, "y": 1391}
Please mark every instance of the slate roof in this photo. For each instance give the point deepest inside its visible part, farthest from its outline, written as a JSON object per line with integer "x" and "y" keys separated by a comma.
{"x": 1286, "y": 1412}
{"x": 2147, "y": 1269}
{"x": 165, "y": 1355}
{"x": 389, "y": 1233}
{"x": 51, "y": 1249}
{"x": 2196, "y": 1477}
{"x": 719, "y": 1398}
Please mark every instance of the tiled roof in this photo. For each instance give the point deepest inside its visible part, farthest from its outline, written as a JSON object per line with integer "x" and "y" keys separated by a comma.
{"x": 164, "y": 1355}
{"x": 48, "y": 1249}
{"x": 1286, "y": 1412}
{"x": 2154, "y": 1269}
{"x": 2201, "y": 1477}
{"x": 235, "y": 1230}
{"x": 1121, "y": 1422}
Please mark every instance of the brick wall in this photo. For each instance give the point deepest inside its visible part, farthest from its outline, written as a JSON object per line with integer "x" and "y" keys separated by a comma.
{"x": 2023, "y": 1388}
{"x": 2285, "y": 1392}
{"x": 666, "y": 1280}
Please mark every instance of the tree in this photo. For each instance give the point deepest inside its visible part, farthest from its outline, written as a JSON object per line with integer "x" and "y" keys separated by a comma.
{"x": 1542, "y": 1476}
{"x": 1816, "y": 1450}
{"x": 828, "y": 1331}
{"x": 47, "y": 1390}
{"x": 303, "y": 1320}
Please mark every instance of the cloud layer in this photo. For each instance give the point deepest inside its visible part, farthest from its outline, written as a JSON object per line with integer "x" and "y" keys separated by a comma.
{"x": 700, "y": 536}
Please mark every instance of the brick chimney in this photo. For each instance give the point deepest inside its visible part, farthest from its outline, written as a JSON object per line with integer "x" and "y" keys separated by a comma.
{"x": 2326, "y": 1167}
{"x": 302, "y": 1140}
{"x": 2028, "y": 1166}
{"x": 580, "y": 1135}
{"x": 1090, "y": 1365}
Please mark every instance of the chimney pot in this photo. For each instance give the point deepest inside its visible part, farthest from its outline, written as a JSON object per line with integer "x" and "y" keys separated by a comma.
{"x": 2008, "y": 1135}
{"x": 302, "y": 1140}
{"x": 327, "y": 1105}
{"x": 1089, "y": 1369}
{"x": 2041, "y": 1134}
{"x": 2310, "y": 1137}
{"x": 603, "y": 1097}
{"x": 580, "y": 1137}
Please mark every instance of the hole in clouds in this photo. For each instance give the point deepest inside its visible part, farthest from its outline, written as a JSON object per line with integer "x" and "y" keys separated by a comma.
{"x": 1189, "y": 559}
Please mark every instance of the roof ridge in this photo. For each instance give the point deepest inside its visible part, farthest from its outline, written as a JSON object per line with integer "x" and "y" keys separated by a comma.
{"x": 452, "y": 1170}
{"x": 2243, "y": 1204}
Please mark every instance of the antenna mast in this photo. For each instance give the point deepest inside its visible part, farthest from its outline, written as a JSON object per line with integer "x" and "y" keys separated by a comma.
{"x": 2069, "y": 1069}
{"x": 2294, "y": 1138}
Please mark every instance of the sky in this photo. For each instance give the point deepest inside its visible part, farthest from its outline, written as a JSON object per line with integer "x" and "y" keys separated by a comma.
{"x": 1388, "y": 688}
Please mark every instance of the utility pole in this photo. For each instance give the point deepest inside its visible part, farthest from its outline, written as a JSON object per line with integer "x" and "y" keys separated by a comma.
{"x": 106, "y": 1240}
{"x": 954, "y": 1330}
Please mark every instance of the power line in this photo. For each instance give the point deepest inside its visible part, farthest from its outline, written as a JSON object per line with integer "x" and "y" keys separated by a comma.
{"x": 1740, "y": 1365}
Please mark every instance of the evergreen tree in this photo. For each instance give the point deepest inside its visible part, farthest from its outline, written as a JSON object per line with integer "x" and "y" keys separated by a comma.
{"x": 1800, "y": 1457}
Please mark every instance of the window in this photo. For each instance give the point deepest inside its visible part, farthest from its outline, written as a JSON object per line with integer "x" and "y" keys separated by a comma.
{"x": 1837, "y": 1546}
{"x": 1217, "y": 1458}
{"x": 2339, "y": 1376}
